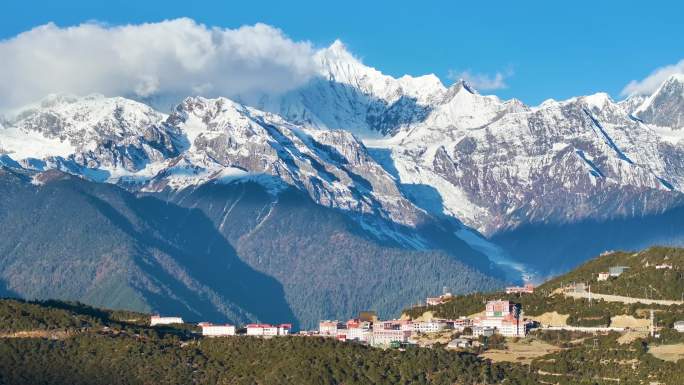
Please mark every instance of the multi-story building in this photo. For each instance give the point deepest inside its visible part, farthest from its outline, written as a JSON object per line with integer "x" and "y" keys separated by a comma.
{"x": 268, "y": 330}
{"x": 209, "y": 329}
{"x": 329, "y": 328}
{"x": 384, "y": 337}
{"x": 432, "y": 326}
{"x": 359, "y": 334}
{"x": 486, "y": 331}
{"x": 158, "y": 320}
{"x": 502, "y": 316}
{"x": 498, "y": 309}
{"x": 460, "y": 323}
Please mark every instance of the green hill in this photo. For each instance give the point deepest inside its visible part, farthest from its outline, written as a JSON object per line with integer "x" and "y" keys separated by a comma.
{"x": 640, "y": 280}
{"x": 583, "y": 312}
{"x": 86, "y": 345}
{"x": 103, "y": 350}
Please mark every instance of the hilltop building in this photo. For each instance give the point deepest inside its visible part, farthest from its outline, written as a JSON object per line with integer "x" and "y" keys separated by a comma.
{"x": 268, "y": 330}
{"x": 433, "y": 301}
{"x": 385, "y": 337}
{"x": 432, "y": 326}
{"x": 329, "y": 328}
{"x": 159, "y": 320}
{"x": 362, "y": 334}
{"x": 209, "y": 329}
{"x": 503, "y": 317}
{"x": 616, "y": 271}
{"x": 528, "y": 288}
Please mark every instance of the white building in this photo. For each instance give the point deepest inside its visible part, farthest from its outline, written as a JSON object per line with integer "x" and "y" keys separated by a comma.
{"x": 433, "y": 326}
{"x": 268, "y": 330}
{"x": 486, "y": 331}
{"x": 664, "y": 266}
{"x": 460, "y": 323}
{"x": 381, "y": 337}
{"x": 358, "y": 334}
{"x": 512, "y": 329}
{"x": 329, "y": 328}
{"x": 158, "y": 320}
{"x": 460, "y": 343}
{"x": 433, "y": 301}
{"x": 679, "y": 326}
{"x": 217, "y": 330}
{"x": 603, "y": 276}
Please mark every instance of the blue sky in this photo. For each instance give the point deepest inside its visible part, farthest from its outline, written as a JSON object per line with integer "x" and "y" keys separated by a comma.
{"x": 543, "y": 49}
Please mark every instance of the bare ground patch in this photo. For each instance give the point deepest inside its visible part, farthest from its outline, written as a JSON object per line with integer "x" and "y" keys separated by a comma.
{"x": 523, "y": 351}
{"x": 670, "y": 353}
{"x": 552, "y": 319}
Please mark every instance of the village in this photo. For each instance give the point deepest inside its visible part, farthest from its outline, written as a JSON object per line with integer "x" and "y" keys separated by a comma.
{"x": 500, "y": 317}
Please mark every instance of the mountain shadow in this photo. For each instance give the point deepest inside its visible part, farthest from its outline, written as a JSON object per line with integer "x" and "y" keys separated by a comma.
{"x": 329, "y": 264}
{"x": 96, "y": 243}
{"x": 557, "y": 248}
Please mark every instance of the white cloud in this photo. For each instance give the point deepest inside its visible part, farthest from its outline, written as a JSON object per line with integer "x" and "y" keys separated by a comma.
{"x": 174, "y": 57}
{"x": 482, "y": 81}
{"x": 650, "y": 83}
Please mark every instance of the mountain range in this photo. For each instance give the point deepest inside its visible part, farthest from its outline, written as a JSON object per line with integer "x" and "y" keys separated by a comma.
{"x": 357, "y": 190}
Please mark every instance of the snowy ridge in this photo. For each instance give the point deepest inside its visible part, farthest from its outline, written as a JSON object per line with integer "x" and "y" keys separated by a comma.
{"x": 506, "y": 164}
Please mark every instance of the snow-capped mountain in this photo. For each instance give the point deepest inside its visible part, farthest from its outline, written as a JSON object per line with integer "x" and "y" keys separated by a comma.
{"x": 498, "y": 164}
{"x": 351, "y": 96}
{"x": 562, "y": 161}
{"x": 405, "y": 151}
{"x": 665, "y": 107}
{"x": 94, "y": 133}
{"x": 225, "y": 140}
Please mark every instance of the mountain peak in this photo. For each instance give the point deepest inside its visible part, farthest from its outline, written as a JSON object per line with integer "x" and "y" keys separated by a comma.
{"x": 597, "y": 100}
{"x": 464, "y": 84}
{"x": 338, "y": 48}
{"x": 675, "y": 78}
{"x": 665, "y": 107}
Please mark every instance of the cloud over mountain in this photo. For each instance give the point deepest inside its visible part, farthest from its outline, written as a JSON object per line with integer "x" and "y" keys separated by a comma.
{"x": 177, "y": 57}
{"x": 482, "y": 81}
{"x": 650, "y": 83}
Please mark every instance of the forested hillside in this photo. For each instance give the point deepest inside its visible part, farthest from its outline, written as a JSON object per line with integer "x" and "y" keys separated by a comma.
{"x": 58, "y": 343}
{"x": 102, "y": 350}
